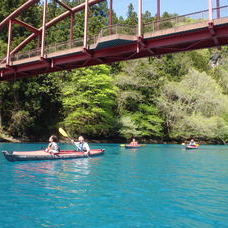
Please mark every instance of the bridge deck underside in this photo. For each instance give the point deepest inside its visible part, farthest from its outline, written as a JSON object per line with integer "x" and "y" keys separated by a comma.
{"x": 119, "y": 47}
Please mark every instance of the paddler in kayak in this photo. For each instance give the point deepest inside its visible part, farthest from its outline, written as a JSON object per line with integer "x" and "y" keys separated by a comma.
{"x": 53, "y": 147}
{"x": 81, "y": 145}
{"x": 133, "y": 142}
{"x": 192, "y": 143}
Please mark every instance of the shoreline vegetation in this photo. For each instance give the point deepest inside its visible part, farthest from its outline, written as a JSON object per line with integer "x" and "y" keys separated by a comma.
{"x": 9, "y": 139}
{"x": 165, "y": 99}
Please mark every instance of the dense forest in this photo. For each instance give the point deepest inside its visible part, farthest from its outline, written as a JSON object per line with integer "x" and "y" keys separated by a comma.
{"x": 161, "y": 99}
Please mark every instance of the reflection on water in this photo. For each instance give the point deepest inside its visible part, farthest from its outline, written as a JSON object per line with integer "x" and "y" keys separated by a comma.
{"x": 53, "y": 167}
{"x": 58, "y": 175}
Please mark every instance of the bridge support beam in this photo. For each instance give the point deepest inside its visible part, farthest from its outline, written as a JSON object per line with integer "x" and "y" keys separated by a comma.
{"x": 140, "y": 34}
{"x": 110, "y": 16}
{"x": 110, "y": 13}
{"x": 85, "y": 25}
{"x": 139, "y": 18}
{"x": 17, "y": 12}
{"x": 71, "y": 27}
{"x": 8, "y": 57}
{"x": 71, "y": 18}
{"x": 158, "y": 14}
{"x": 218, "y": 8}
{"x": 213, "y": 35}
{"x": 210, "y": 17}
{"x": 27, "y": 26}
{"x": 43, "y": 30}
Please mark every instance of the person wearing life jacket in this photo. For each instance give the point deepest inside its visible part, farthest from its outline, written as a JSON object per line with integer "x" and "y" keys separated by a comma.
{"x": 192, "y": 143}
{"x": 81, "y": 145}
{"x": 53, "y": 147}
{"x": 134, "y": 142}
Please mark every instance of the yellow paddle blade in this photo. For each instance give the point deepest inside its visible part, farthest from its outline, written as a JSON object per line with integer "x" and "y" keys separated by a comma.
{"x": 63, "y": 133}
{"x": 122, "y": 144}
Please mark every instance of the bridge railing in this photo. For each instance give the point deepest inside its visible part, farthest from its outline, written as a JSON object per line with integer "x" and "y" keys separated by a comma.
{"x": 64, "y": 45}
{"x": 26, "y": 54}
{"x": 92, "y": 39}
{"x": 220, "y": 12}
{"x": 177, "y": 21}
{"x": 118, "y": 29}
{"x": 49, "y": 49}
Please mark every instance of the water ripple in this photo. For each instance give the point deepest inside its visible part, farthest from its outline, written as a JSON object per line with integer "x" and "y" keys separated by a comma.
{"x": 156, "y": 186}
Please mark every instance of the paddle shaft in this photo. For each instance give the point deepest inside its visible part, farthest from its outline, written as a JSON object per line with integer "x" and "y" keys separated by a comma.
{"x": 64, "y": 134}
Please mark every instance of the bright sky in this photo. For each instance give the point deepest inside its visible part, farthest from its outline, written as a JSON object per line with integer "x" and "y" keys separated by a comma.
{"x": 172, "y": 6}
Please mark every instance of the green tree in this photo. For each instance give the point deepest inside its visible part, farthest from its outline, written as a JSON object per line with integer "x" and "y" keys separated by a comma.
{"x": 31, "y": 107}
{"x": 139, "y": 83}
{"x": 89, "y": 102}
{"x": 128, "y": 127}
{"x": 192, "y": 106}
{"x": 148, "y": 121}
{"x": 132, "y": 18}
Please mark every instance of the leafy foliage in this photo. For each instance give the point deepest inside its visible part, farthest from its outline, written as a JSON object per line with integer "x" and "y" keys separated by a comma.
{"x": 176, "y": 96}
{"x": 193, "y": 106}
{"x": 128, "y": 127}
{"x": 89, "y": 102}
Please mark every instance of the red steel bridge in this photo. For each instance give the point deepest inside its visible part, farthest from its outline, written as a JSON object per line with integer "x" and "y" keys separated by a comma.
{"x": 203, "y": 29}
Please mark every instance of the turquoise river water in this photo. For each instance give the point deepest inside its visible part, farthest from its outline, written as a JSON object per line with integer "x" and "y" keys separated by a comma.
{"x": 154, "y": 186}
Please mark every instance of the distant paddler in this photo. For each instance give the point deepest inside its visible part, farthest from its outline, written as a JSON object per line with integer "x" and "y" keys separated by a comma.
{"x": 133, "y": 142}
{"x": 192, "y": 145}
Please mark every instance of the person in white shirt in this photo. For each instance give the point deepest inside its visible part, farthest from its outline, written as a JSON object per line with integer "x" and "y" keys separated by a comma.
{"x": 192, "y": 143}
{"x": 53, "y": 147}
{"x": 81, "y": 145}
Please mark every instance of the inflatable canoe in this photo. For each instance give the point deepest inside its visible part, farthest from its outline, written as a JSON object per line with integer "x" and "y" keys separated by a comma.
{"x": 189, "y": 147}
{"x": 42, "y": 155}
{"x": 129, "y": 146}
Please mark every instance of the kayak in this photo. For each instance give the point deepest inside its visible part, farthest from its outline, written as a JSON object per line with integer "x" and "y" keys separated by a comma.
{"x": 188, "y": 147}
{"x": 129, "y": 146}
{"x": 42, "y": 155}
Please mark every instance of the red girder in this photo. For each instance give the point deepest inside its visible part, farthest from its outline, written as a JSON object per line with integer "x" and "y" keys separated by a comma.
{"x": 29, "y": 27}
{"x": 48, "y": 24}
{"x": 64, "y": 5}
{"x": 204, "y": 35}
{"x": 213, "y": 33}
{"x": 17, "y": 12}
{"x": 191, "y": 40}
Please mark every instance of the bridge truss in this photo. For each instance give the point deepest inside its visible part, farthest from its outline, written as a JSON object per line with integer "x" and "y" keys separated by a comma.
{"x": 203, "y": 29}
